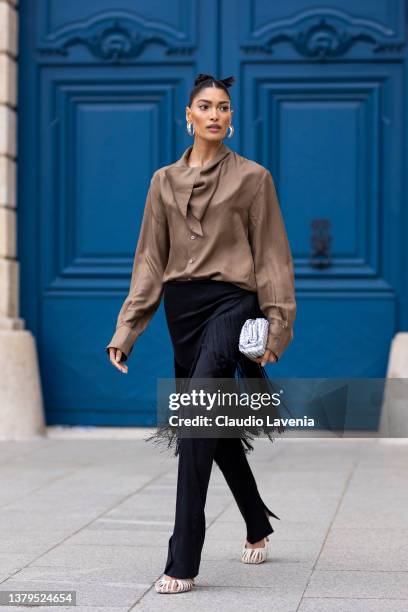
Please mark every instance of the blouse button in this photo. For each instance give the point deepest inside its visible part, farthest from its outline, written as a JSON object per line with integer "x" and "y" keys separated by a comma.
{"x": 193, "y": 237}
{"x": 191, "y": 260}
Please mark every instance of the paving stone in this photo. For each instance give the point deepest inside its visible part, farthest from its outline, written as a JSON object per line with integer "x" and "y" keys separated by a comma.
{"x": 87, "y": 594}
{"x": 333, "y": 604}
{"x": 378, "y": 549}
{"x": 204, "y": 598}
{"x": 355, "y": 584}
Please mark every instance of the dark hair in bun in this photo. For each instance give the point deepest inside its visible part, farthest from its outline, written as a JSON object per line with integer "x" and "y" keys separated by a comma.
{"x": 207, "y": 80}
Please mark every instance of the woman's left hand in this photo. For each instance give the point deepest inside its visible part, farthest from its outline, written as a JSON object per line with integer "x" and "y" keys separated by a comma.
{"x": 268, "y": 356}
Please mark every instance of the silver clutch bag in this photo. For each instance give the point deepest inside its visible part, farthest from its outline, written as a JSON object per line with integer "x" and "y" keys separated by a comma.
{"x": 253, "y": 337}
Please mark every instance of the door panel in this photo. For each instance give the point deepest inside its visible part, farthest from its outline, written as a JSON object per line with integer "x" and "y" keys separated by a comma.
{"x": 107, "y": 83}
{"x": 319, "y": 103}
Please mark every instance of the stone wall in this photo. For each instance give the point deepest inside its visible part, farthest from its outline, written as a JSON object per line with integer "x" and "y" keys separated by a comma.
{"x": 21, "y": 405}
{"x": 9, "y": 298}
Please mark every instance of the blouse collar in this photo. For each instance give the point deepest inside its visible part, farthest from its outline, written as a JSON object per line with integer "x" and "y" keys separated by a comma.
{"x": 193, "y": 187}
{"x": 222, "y": 152}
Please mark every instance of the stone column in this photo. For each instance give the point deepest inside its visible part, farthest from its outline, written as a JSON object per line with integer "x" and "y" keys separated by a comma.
{"x": 394, "y": 414}
{"x": 21, "y": 404}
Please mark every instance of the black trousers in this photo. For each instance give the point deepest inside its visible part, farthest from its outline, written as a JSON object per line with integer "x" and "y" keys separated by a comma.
{"x": 204, "y": 319}
{"x": 196, "y": 457}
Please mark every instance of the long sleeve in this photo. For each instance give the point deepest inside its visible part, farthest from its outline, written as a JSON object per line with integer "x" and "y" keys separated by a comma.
{"x": 273, "y": 265}
{"x": 146, "y": 285}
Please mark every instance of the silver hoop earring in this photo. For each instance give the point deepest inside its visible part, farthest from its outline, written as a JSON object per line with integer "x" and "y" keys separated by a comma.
{"x": 231, "y": 133}
{"x": 190, "y": 128}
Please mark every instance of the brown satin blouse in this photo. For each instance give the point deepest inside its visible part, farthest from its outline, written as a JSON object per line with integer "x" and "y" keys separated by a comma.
{"x": 220, "y": 221}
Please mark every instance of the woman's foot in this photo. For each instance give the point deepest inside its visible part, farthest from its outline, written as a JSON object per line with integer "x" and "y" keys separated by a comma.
{"x": 260, "y": 548}
{"x": 170, "y": 584}
{"x": 255, "y": 553}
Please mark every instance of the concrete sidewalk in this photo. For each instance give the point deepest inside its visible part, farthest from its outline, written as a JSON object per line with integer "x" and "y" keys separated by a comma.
{"x": 95, "y": 516}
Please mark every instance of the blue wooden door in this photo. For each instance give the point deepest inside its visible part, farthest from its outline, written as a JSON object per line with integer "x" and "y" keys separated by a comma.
{"x": 103, "y": 86}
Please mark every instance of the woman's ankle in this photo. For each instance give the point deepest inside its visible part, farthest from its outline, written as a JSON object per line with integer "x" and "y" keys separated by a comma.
{"x": 259, "y": 544}
{"x": 175, "y": 577}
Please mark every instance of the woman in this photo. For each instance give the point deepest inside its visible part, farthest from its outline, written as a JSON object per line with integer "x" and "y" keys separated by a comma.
{"x": 213, "y": 243}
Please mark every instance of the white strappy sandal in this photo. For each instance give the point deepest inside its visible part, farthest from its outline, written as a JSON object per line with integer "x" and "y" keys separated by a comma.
{"x": 173, "y": 585}
{"x": 255, "y": 555}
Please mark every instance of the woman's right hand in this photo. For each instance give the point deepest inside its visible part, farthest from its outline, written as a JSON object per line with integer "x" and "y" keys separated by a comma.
{"x": 115, "y": 355}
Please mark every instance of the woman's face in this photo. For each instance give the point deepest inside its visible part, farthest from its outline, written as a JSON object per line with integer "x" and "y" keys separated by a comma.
{"x": 210, "y": 107}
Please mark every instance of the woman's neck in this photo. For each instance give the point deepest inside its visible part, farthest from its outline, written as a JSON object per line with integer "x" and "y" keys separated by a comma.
{"x": 202, "y": 153}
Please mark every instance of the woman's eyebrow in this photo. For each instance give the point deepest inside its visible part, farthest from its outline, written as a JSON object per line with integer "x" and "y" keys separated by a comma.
{"x": 223, "y": 102}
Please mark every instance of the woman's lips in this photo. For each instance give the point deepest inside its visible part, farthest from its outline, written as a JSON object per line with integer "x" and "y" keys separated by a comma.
{"x": 213, "y": 129}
